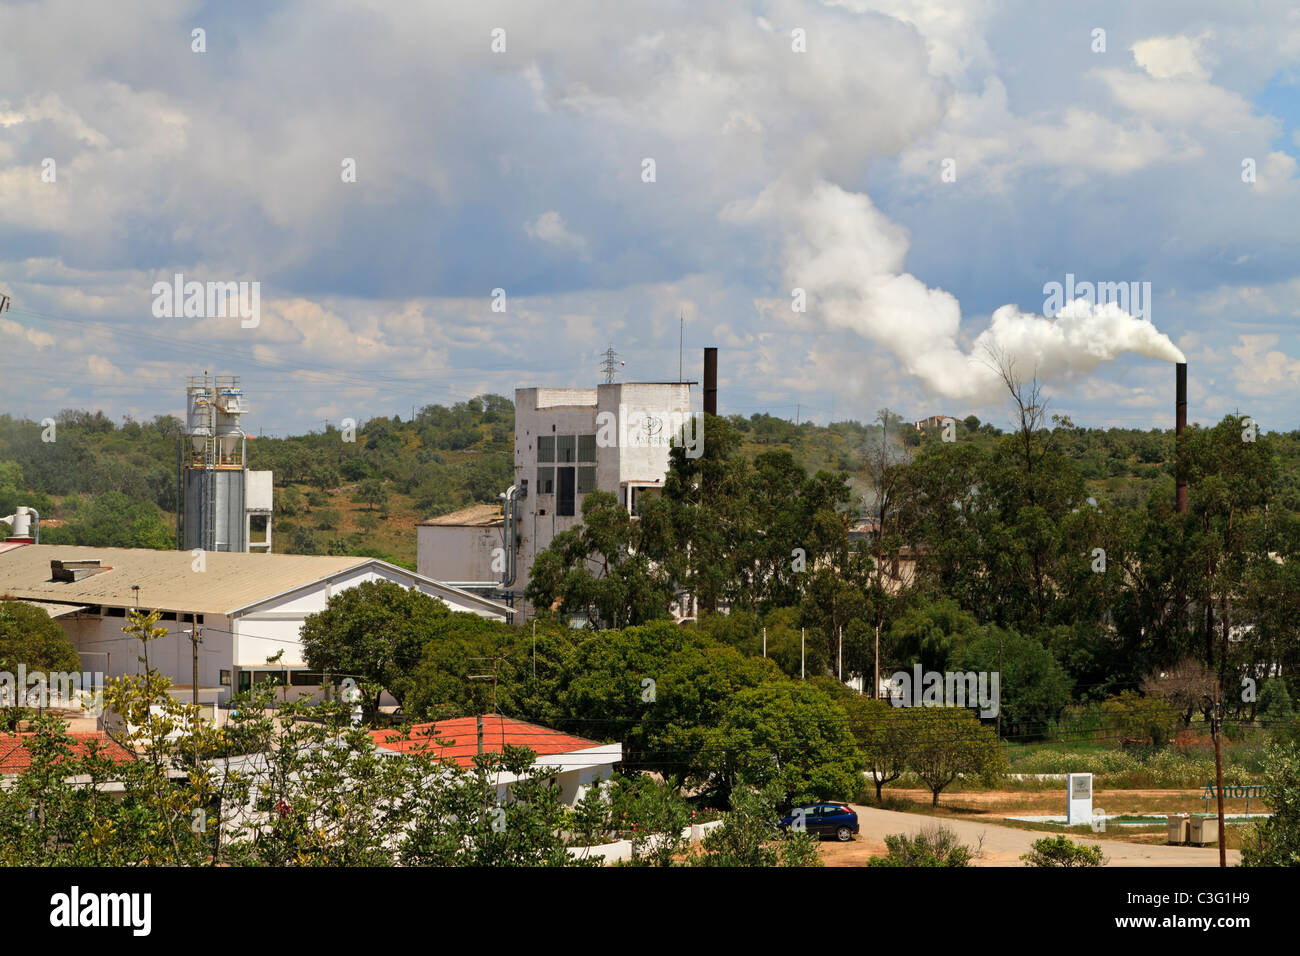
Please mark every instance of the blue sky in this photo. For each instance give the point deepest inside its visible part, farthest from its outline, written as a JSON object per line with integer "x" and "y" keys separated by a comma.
{"x": 819, "y": 168}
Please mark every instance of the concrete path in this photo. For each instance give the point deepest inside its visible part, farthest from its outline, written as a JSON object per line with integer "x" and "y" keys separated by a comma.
{"x": 1003, "y": 845}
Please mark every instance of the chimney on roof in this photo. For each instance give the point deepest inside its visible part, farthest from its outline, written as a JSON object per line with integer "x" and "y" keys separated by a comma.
{"x": 711, "y": 380}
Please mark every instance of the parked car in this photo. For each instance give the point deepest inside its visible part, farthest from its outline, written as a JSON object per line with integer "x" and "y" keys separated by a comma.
{"x": 823, "y": 819}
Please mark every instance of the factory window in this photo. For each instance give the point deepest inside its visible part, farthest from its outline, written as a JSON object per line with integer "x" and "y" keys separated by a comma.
{"x": 546, "y": 448}
{"x": 586, "y": 448}
{"x": 586, "y": 480}
{"x": 564, "y": 496}
{"x": 546, "y": 481}
{"x": 566, "y": 448}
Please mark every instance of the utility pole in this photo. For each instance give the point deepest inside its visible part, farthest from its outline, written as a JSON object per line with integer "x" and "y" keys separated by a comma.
{"x": 681, "y": 338}
{"x": 195, "y": 636}
{"x": 1216, "y": 728}
{"x": 196, "y": 631}
{"x": 534, "y": 648}
{"x": 875, "y": 687}
{"x": 999, "y": 682}
{"x": 839, "y": 659}
{"x": 765, "y": 640}
{"x": 801, "y": 654}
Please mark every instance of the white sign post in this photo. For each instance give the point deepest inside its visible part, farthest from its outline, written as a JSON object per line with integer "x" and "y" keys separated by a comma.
{"x": 1078, "y": 791}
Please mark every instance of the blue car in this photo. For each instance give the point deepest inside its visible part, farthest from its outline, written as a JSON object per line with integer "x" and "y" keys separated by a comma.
{"x": 823, "y": 819}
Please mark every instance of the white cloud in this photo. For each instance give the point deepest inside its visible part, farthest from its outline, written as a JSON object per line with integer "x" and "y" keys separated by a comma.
{"x": 1164, "y": 57}
{"x": 551, "y": 228}
{"x": 1262, "y": 369}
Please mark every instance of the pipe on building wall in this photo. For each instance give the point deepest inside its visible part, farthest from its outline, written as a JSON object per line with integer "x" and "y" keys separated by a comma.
{"x": 711, "y": 380}
{"x": 1180, "y": 423}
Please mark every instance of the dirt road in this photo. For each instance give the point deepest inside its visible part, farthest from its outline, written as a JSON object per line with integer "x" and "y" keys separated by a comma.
{"x": 1003, "y": 845}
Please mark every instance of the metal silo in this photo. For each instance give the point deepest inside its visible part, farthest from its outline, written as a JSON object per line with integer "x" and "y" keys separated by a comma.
{"x": 213, "y": 480}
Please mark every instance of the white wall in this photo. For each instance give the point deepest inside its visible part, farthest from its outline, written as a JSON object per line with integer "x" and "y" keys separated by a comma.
{"x": 95, "y": 635}
{"x": 457, "y": 552}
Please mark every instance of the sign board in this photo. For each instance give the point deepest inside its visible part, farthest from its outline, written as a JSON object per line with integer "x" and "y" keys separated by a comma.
{"x": 1078, "y": 791}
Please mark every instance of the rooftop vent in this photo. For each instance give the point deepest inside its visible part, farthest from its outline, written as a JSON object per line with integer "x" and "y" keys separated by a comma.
{"x": 75, "y": 570}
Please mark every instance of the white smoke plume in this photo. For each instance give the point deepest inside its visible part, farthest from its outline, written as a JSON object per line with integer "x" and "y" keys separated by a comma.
{"x": 848, "y": 258}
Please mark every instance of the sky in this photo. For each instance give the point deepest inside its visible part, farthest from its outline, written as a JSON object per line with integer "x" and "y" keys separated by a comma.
{"x": 862, "y": 203}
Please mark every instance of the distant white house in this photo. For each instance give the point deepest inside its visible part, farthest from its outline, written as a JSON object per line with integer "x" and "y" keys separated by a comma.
{"x": 249, "y": 607}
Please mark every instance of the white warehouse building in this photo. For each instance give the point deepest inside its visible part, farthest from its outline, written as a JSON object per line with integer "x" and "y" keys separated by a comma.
{"x": 249, "y": 606}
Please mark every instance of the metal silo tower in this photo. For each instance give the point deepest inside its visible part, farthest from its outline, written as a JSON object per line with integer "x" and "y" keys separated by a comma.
{"x": 213, "y": 465}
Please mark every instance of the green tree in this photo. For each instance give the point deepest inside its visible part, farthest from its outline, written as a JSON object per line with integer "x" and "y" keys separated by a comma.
{"x": 375, "y": 632}
{"x": 655, "y": 813}
{"x": 115, "y": 521}
{"x": 946, "y": 742}
{"x": 30, "y": 636}
{"x": 1275, "y": 703}
{"x": 373, "y": 493}
{"x": 749, "y": 836}
{"x": 787, "y": 735}
{"x": 1275, "y": 841}
{"x": 881, "y": 731}
{"x": 626, "y": 588}
{"x": 460, "y": 820}
{"x": 661, "y": 690}
{"x": 1033, "y": 689}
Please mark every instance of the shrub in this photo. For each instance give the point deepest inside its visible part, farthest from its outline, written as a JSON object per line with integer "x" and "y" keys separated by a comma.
{"x": 1062, "y": 851}
{"x": 934, "y": 845}
{"x": 1275, "y": 841}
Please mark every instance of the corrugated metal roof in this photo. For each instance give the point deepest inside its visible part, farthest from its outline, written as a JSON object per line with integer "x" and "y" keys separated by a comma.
{"x": 56, "y": 610}
{"x": 167, "y": 580}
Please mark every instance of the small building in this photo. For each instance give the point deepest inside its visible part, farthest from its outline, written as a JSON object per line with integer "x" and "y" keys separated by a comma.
{"x": 580, "y": 762}
{"x": 248, "y": 607}
{"x": 934, "y": 421}
{"x": 464, "y": 546}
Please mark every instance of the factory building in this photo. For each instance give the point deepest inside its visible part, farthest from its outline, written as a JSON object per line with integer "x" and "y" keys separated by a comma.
{"x": 569, "y": 442}
{"x": 249, "y": 607}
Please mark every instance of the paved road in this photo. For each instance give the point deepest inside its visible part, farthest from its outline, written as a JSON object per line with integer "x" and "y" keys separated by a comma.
{"x": 1003, "y": 845}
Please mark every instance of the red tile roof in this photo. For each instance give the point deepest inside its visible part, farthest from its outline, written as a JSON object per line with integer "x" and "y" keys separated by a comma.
{"x": 462, "y": 735}
{"x": 16, "y": 758}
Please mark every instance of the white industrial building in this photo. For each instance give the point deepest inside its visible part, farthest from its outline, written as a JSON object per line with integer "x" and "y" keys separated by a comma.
{"x": 569, "y": 442}
{"x": 249, "y": 606}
